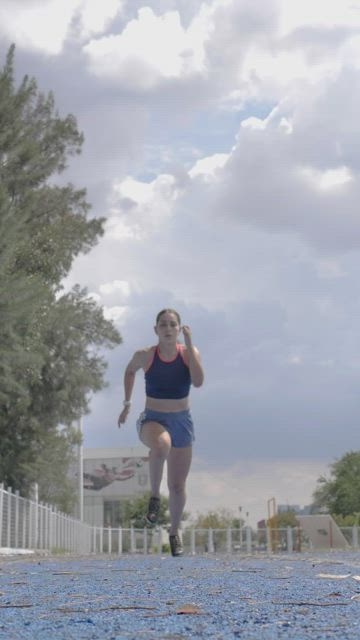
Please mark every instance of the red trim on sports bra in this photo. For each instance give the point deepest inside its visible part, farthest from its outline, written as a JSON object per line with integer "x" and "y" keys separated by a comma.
{"x": 178, "y": 348}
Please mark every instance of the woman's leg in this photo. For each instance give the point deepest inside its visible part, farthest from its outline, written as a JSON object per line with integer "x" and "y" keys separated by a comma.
{"x": 154, "y": 436}
{"x": 178, "y": 466}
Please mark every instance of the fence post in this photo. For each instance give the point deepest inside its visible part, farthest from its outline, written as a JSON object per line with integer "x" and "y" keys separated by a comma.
{"x": 228, "y": 540}
{"x": 30, "y": 532}
{"x": 268, "y": 540}
{"x": 355, "y": 537}
{"x": 210, "y": 541}
{"x": 289, "y": 540}
{"x": 89, "y": 531}
{"x": 54, "y": 519}
{"x": 192, "y": 541}
{"x": 36, "y": 524}
{"x": 132, "y": 540}
{"x": 248, "y": 540}
{"x": 8, "y": 537}
{"x": 120, "y": 541}
{"x": 46, "y": 527}
{"x": 145, "y": 545}
{"x": 61, "y": 531}
{"x": 160, "y": 540}
{"x": 16, "y": 541}
{"x": 24, "y": 521}
{"x": 42, "y": 525}
{"x": 1, "y": 509}
{"x": 66, "y": 533}
{"x": 109, "y": 540}
{"x": 94, "y": 540}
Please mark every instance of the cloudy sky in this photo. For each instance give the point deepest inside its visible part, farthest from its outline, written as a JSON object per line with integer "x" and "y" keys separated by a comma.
{"x": 222, "y": 145}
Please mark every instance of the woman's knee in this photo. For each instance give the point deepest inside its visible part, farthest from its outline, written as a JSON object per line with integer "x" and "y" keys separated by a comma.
{"x": 176, "y": 487}
{"x": 155, "y": 437}
{"x": 161, "y": 446}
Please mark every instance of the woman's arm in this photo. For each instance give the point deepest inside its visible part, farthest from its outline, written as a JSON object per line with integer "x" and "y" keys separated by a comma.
{"x": 194, "y": 360}
{"x": 136, "y": 363}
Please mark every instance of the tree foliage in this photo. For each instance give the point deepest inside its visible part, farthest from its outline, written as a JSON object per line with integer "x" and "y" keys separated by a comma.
{"x": 220, "y": 519}
{"x": 50, "y": 341}
{"x": 340, "y": 493}
{"x": 133, "y": 511}
{"x": 283, "y": 520}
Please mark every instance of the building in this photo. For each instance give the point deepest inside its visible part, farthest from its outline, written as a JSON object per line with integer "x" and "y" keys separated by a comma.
{"x": 111, "y": 476}
{"x": 295, "y": 508}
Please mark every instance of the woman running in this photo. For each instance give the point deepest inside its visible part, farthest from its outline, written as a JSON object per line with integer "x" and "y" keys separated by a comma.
{"x": 165, "y": 426}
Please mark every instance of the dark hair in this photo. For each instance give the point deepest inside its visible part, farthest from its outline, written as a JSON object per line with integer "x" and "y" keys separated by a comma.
{"x": 161, "y": 313}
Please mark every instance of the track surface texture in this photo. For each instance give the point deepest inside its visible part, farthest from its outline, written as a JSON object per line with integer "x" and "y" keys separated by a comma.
{"x": 160, "y": 597}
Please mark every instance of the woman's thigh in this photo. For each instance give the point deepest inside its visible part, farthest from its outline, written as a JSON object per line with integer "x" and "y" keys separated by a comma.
{"x": 153, "y": 434}
{"x": 178, "y": 465}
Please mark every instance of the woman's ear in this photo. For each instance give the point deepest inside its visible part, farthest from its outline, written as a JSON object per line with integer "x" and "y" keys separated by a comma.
{"x": 155, "y": 329}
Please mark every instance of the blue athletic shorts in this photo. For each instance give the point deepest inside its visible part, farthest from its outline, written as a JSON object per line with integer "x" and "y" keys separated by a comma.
{"x": 178, "y": 424}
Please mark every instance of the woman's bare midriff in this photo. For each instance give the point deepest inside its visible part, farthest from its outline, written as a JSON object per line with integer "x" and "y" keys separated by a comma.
{"x": 167, "y": 405}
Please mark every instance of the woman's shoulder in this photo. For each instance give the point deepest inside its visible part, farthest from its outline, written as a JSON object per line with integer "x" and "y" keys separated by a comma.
{"x": 146, "y": 349}
{"x": 146, "y": 356}
{"x": 142, "y": 356}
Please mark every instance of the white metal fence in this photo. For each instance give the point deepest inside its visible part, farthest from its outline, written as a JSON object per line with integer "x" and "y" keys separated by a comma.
{"x": 30, "y": 525}
{"x": 27, "y": 524}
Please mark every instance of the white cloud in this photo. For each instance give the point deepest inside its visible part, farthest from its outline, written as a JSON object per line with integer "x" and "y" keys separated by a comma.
{"x": 149, "y": 49}
{"x": 329, "y": 13}
{"x": 118, "y": 286}
{"x": 40, "y": 26}
{"x": 94, "y": 296}
{"x": 140, "y": 208}
{"x": 120, "y": 230}
{"x": 254, "y": 123}
{"x": 117, "y": 314}
{"x": 303, "y": 177}
{"x": 44, "y": 25}
{"x": 311, "y": 41}
{"x": 96, "y": 16}
{"x": 329, "y": 179}
{"x": 208, "y": 167}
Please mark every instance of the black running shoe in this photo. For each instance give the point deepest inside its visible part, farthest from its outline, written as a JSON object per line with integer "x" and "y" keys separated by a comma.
{"x": 176, "y": 545}
{"x": 153, "y": 511}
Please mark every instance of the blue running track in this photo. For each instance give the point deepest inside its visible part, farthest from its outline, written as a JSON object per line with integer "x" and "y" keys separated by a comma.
{"x": 160, "y": 597}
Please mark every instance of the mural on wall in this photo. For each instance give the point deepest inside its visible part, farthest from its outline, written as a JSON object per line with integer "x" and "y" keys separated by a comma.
{"x": 98, "y": 475}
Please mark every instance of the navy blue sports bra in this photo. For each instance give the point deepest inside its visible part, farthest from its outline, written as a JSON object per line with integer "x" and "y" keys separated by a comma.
{"x": 167, "y": 380}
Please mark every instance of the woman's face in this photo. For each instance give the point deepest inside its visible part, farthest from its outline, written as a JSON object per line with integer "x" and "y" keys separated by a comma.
{"x": 167, "y": 328}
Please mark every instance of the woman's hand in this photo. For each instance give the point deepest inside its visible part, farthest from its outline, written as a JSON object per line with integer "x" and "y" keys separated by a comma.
{"x": 193, "y": 356}
{"x": 187, "y": 336}
{"x": 123, "y": 415}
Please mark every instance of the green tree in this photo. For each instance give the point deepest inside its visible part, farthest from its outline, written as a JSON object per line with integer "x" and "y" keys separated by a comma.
{"x": 340, "y": 493}
{"x": 133, "y": 511}
{"x": 220, "y": 519}
{"x": 51, "y": 344}
{"x": 54, "y": 484}
{"x": 347, "y": 521}
{"x": 283, "y": 520}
